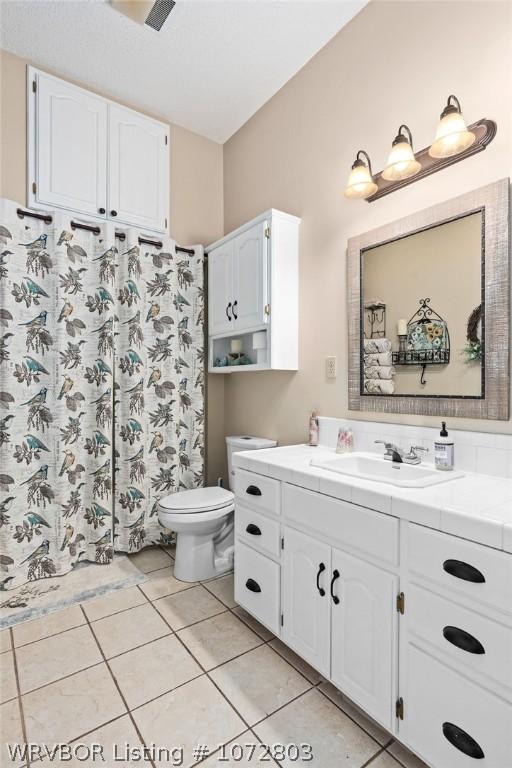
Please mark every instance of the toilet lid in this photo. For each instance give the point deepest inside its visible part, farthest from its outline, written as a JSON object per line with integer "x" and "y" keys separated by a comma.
{"x": 197, "y": 500}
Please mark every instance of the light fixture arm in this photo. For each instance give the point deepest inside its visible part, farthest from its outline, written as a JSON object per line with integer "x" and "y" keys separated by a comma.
{"x": 400, "y": 135}
{"x": 451, "y": 107}
{"x": 367, "y": 157}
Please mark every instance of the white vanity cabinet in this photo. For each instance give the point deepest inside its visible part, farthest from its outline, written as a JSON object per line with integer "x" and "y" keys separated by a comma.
{"x": 90, "y": 155}
{"x": 413, "y": 624}
{"x": 253, "y": 291}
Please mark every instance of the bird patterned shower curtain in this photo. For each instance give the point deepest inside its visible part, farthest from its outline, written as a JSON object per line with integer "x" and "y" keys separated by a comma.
{"x": 101, "y": 391}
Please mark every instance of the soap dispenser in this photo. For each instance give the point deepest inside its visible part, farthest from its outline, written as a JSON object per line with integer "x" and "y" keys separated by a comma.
{"x": 444, "y": 450}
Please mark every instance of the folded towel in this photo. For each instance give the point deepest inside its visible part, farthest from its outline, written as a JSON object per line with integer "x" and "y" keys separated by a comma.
{"x": 378, "y": 358}
{"x": 376, "y": 345}
{"x": 379, "y": 371}
{"x": 379, "y": 387}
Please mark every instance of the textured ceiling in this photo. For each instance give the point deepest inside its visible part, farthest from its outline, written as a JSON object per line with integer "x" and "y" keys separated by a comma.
{"x": 213, "y": 65}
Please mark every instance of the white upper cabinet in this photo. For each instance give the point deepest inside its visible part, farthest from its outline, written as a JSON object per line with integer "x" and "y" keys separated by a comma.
{"x": 90, "y": 155}
{"x": 220, "y": 288}
{"x": 250, "y": 276}
{"x": 138, "y": 164}
{"x": 70, "y": 148}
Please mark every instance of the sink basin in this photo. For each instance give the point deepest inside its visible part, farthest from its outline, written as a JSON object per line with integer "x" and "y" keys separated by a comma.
{"x": 366, "y": 466}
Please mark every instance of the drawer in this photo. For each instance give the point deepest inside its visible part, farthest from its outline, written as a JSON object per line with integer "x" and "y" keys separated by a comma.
{"x": 483, "y": 646}
{"x": 257, "y": 585}
{"x": 477, "y": 572}
{"x": 347, "y": 524}
{"x": 258, "y": 491}
{"x": 451, "y": 722}
{"x": 256, "y": 529}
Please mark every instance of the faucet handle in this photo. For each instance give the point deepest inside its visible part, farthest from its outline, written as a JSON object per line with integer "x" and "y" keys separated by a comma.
{"x": 415, "y": 448}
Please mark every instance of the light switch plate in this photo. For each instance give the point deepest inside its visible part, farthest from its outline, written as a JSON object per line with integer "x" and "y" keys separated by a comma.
{"x": 330, "y": 367}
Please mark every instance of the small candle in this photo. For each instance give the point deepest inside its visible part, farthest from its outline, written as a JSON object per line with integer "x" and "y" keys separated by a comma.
{"x": 236, "y": 346}
{"x": 402, "y": 327}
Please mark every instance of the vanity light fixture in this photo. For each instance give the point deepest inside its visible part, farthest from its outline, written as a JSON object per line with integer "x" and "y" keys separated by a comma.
{"x": 401, "y": 161}
{"x": 452, "y": 135}
{"x": 360, "y": 182}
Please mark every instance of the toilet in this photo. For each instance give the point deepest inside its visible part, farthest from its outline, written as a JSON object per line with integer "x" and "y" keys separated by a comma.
{"x": 203, "y": 521}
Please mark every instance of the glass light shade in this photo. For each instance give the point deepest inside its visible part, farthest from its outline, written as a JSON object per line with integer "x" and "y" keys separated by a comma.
{"x": 360, "y": 182}
{"x": 401, "y": 162}
{"x": 452, "y": 136}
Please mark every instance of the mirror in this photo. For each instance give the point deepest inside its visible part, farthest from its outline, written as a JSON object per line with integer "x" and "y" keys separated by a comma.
{"x": 429, "y": 310}
{"x": 418, "y": 294}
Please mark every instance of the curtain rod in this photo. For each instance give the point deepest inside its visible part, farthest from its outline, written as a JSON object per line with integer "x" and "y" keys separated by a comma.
{"x": 96, "y": 230}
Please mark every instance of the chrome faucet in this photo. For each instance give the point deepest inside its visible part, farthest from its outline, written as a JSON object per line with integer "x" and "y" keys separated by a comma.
{"x": 392, "y": 452}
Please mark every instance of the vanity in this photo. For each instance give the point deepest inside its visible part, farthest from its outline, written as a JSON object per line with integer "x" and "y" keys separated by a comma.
{"x": 359, "y": 578}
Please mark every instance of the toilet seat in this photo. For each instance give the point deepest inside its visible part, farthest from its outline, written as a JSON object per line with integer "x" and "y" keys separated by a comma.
{"x": 197, "y": 500}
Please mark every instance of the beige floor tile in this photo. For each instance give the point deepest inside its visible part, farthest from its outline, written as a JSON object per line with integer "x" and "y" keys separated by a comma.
{"x": 55, "y": 657}
{"x": 111, "y": 739}
{"x": 124, "y": 631}
{"x": 384, "y": 760}
{"x": 312, "y": 719}
{"x": 112, "y": 603}
{"x": 191, "y": 715}
{"x": 65, "y": 710}
{"x": 219, "y": 639}
{"x": 5, "y": 640}
{"x": 162, "y": 582}
{"x": 251, "y": 622}
{"x": 11, "y": 732}
{"x": 369, "y": 725}
{"x": 188, "y": 607}
{"x": 50, "y": 624}
{"x": 8, "y": 689}
{"x": 147, "y": 672}
{"x": 246, "y": 750}
{"x": 296, "y": 661}
{"x": 151, "y": 559}
{"x": 405, "y": 757}
{"x": 223, "y": 588}
{"x": 258, "y": 683}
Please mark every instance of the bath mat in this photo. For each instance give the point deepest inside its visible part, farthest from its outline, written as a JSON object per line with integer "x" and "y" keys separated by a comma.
{"x": 85, "y": 582}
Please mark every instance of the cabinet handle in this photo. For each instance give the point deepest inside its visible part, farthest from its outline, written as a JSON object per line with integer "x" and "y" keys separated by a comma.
{"x": 463, "y": 640}
{"x": 321, "y": 569}
{"x": 463, "y": 571}
{"x": 462, "y": 741}
{"x": 253, "y": 530}
{"x": 101, "y": 210}
{"x": 227, "y": 312}
{"x": 235, "y": 304}
{"x": 253, "y": 490}
{"x": 113, "y": 213}
{"x": 252, "y": 585}
{"x": 335, "y": 598}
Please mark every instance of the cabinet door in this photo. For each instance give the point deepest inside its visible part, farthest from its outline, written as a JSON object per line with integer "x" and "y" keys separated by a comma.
{"x": 138, "y": 170}
{"x": 364, "y": 627}
{"x": 306, "y": 612}
{"x": 69, "y": 134}
{"x": 250, "y": 277}
{"x": 220, "y": 289}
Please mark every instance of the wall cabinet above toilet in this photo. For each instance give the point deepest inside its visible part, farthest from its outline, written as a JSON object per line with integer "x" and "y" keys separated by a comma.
{"x": 253, "y": 295}
{"x": 90, "y": 155}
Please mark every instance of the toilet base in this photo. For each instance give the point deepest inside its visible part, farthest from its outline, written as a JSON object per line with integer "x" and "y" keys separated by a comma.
{"x": 201, "y": 556}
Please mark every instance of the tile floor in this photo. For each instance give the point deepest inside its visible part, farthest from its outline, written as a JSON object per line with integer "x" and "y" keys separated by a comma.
{"x": 175, "y": 665}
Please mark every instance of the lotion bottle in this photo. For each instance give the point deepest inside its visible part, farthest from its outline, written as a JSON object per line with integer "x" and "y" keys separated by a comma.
{"x": 444, "y": 450}
{"x": 313, "y": 428}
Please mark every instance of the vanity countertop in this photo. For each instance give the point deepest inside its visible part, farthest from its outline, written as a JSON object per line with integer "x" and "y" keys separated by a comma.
{"x": 476, "y": 507}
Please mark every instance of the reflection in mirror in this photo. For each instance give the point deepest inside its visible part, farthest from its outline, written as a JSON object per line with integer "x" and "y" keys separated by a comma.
{"x": 422, "y": 312}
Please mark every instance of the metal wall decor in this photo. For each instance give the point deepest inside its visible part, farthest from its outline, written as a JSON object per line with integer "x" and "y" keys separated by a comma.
{"x": 376, "y": 317}
{"x": 427, "y": 341}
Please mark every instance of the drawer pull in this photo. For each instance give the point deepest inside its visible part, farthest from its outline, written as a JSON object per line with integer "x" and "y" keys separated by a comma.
{"x": 462, "y": 741}
{"x": 335, "y": 598}
{"x": 463, "y": 571}
{"x": 321, "y": 569}
{"x": 253, "y": 530}
{"x": 252, "y": 585}
{"x": 253, "y": 490}
{"x": 463, "y": 640}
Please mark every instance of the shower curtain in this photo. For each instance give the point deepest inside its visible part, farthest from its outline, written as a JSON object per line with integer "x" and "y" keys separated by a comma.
{"x": 101, "y": 391}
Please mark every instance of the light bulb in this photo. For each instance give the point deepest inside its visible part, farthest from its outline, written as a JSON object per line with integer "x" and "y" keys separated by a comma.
{"x": 452, "y": 135}
{"x": 401, "y": 161}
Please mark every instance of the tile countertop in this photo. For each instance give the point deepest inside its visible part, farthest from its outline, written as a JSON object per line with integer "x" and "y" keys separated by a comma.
{"x": 476, "y": 507}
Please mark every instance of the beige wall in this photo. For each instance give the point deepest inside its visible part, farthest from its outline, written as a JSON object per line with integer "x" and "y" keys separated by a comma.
{"x": 395, "y": 62}
{"x": 196, "y": 201}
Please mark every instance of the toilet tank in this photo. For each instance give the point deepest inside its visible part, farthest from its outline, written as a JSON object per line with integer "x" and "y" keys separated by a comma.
{"x": 236, "y": 443}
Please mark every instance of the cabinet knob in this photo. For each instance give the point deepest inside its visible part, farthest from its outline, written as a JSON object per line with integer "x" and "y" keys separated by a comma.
{"x": 462, "y": 741}
{"x": 252, "y": 585}
{"x": 227, "y": 312}
{"x": 463, "y": 571}
{"x": 463, "y": 640}
{"x": 253, "y": 530}
{"x": 113, "y": 213}
{"x": 235, "y": 304}
{"x": 101, "y": 210}
{"x": 253, "y": 490}
{"x": 321, "y": 569}
{"x": 335, "y": 575}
